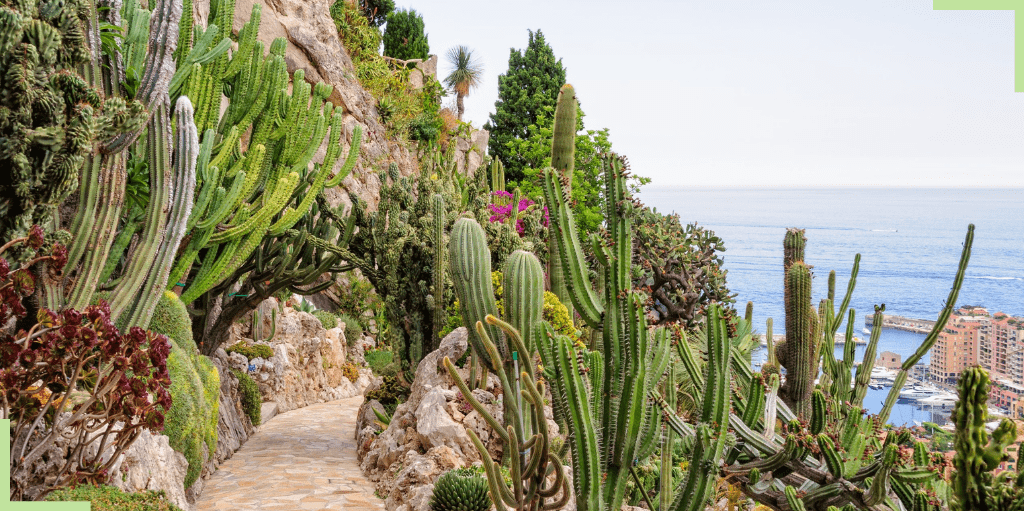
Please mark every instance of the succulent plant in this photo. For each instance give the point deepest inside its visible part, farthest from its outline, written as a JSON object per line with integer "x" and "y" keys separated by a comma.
{"x": 461, "y": 489}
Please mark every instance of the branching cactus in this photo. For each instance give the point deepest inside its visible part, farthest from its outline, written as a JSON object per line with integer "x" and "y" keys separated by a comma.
{"x": 601, "y": 396}
{"x": 977, "y": 454}
{"x": 834, "y": 456}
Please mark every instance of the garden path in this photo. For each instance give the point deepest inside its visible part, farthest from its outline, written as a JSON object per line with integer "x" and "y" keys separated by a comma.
{"x": 302, "y": 459}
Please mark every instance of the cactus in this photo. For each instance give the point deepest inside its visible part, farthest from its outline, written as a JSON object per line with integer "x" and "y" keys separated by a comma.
{"x": 976, "y": 489}
{"x": 563, "y": 160}
{"x": 437, "y": 225}
{"x": 833, "y": 456}
{"x": 462, "y": 489}
{"x": 799, "y": 353}
{"x": 600, "y": 398}
{"x": 525, "y": 435}
{"x": 52, "y": 118}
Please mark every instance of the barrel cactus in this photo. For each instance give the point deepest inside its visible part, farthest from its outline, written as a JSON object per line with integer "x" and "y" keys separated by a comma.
{"x": 462, "y": 489}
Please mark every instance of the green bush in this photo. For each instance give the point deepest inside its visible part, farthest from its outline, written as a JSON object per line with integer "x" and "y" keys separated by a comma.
{"x": 404, "y": 35}
{"x": 171, "y": 319}
{"x": 108, "y": 498}
{"x": 389, "y": 393}
{"x": 327, "y": 319}
{"x": 251, "y": 351}
{"x": 379, "y": 361}
{"x": 192, "y": 419}
{"x": 353, "y": 328}
{"x": 252, "y": 400}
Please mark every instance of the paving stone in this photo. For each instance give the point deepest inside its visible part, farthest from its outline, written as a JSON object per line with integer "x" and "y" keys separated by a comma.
{"x": 300, "y": 460}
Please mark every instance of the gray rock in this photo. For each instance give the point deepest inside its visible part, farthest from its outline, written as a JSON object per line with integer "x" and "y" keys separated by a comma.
{"x": 268, "y": 410}
{"x": 151, "y": 464}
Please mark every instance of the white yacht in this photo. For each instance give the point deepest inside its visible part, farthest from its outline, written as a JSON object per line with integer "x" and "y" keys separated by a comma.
{"x": 881, "y": 373}
{"x": 942, "y": 399}
{"x": 918, "y": 391}
{"x": 867, "y": 331}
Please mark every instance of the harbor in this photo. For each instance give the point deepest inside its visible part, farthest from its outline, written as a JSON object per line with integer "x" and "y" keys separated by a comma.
{"x": 920, "y": 326}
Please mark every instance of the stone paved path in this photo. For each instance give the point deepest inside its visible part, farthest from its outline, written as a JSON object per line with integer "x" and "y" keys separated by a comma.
{"x": 302, "y": 459}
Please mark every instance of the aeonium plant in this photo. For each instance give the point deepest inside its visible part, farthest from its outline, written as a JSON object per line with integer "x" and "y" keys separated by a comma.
{"x": 78, "y": 392}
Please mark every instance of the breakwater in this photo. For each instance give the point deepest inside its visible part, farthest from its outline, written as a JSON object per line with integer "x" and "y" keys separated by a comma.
{"x": 921, "y": 326}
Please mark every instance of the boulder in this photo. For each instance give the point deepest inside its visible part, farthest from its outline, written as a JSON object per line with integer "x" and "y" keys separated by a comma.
{"x": 151, "y": 464}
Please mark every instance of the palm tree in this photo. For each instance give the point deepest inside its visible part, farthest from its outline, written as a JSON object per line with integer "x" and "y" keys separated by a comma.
{"x": 466, "y": 75}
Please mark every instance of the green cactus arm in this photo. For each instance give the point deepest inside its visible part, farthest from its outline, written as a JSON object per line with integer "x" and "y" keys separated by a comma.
{"x": 524, "y": 295}
{"x": 186, "y": 151}
{"x": 286, "y": 185}
{"x": 203, "y": 52}
{"x": 351, "y": 159}
{"x": 846, "y": 298}
{"x": 563, "y": 232}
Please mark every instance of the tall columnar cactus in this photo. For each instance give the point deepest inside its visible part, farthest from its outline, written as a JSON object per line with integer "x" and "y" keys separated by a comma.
{"x": 799, "y": 353}
{"x": 975, "y": 487}
{"x": 170, "y": 150}
{"x": 563, "y": 160}
{"x": 601, "y": 396}
{"x": 835, "y": 455}
{"x": 497, "y": 177}
{"x": 438, "y": 222}
{"x": 511, "y": 357}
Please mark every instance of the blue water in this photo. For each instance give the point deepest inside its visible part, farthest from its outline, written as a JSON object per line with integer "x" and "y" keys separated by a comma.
{"x": 909, "y": 240}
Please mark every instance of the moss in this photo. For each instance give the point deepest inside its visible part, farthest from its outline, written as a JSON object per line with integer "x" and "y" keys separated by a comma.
{"x": 192, "y": 419}
{"x": 108, "y": 498}
{"x": 327, "y": 320}
{"x": 171, "y": 319}
{"x": 252, "y": 400}
{"x": 251, "y": 351}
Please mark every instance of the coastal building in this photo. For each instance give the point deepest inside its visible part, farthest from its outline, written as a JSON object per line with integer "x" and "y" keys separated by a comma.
{"x": 956, "y": 349}
{"x": 1007, "y": 341}
{"x": 889, "y": 360}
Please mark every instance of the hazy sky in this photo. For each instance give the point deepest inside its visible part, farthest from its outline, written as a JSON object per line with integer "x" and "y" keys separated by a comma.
{"x": 790, "y": 93}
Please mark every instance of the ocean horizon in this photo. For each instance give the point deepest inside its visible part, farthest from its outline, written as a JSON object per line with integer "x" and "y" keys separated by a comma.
{"x": 910, "y": 240}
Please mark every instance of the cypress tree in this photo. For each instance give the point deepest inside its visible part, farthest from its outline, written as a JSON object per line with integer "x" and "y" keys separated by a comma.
{"x": 526, "y": 91}
{"x": 404, "y": 36}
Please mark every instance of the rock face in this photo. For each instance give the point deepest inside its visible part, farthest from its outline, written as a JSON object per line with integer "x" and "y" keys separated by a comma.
{"x": 307, "y": 365}
{"x": 428, "y": 433}
{"x": 151, "y": 464}
{"x": 314, "y": 46}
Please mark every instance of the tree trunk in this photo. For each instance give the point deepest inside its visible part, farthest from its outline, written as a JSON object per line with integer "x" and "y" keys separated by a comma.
{"x": 458, "y": 101}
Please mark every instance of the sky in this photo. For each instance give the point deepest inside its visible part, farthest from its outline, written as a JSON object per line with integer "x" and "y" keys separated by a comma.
{"x": 758, "y": 93}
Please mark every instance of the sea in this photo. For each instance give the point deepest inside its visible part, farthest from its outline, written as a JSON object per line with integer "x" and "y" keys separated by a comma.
{"x": 909, "y": 239}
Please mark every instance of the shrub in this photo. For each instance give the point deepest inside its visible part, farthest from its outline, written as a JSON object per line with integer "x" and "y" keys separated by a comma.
{"x": 379, "y": 360}
{"x": 350, "y": 371}
{"x": 171, "y": 319}
{"x": 389, "y": 393}
{"x": 119, "y": 381}
{"x": 358, "y": 34}
{"x": 192, "y": 418}
{"x": 108, "y": 498}
{"x": 252, "y": 400}
{"x": 426, "y": 128}
{"x": 353, "y": 328}
{"x": 404, "y": 36}
{"x": 251, "y": 351}
{"x": 327, "y": 319}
